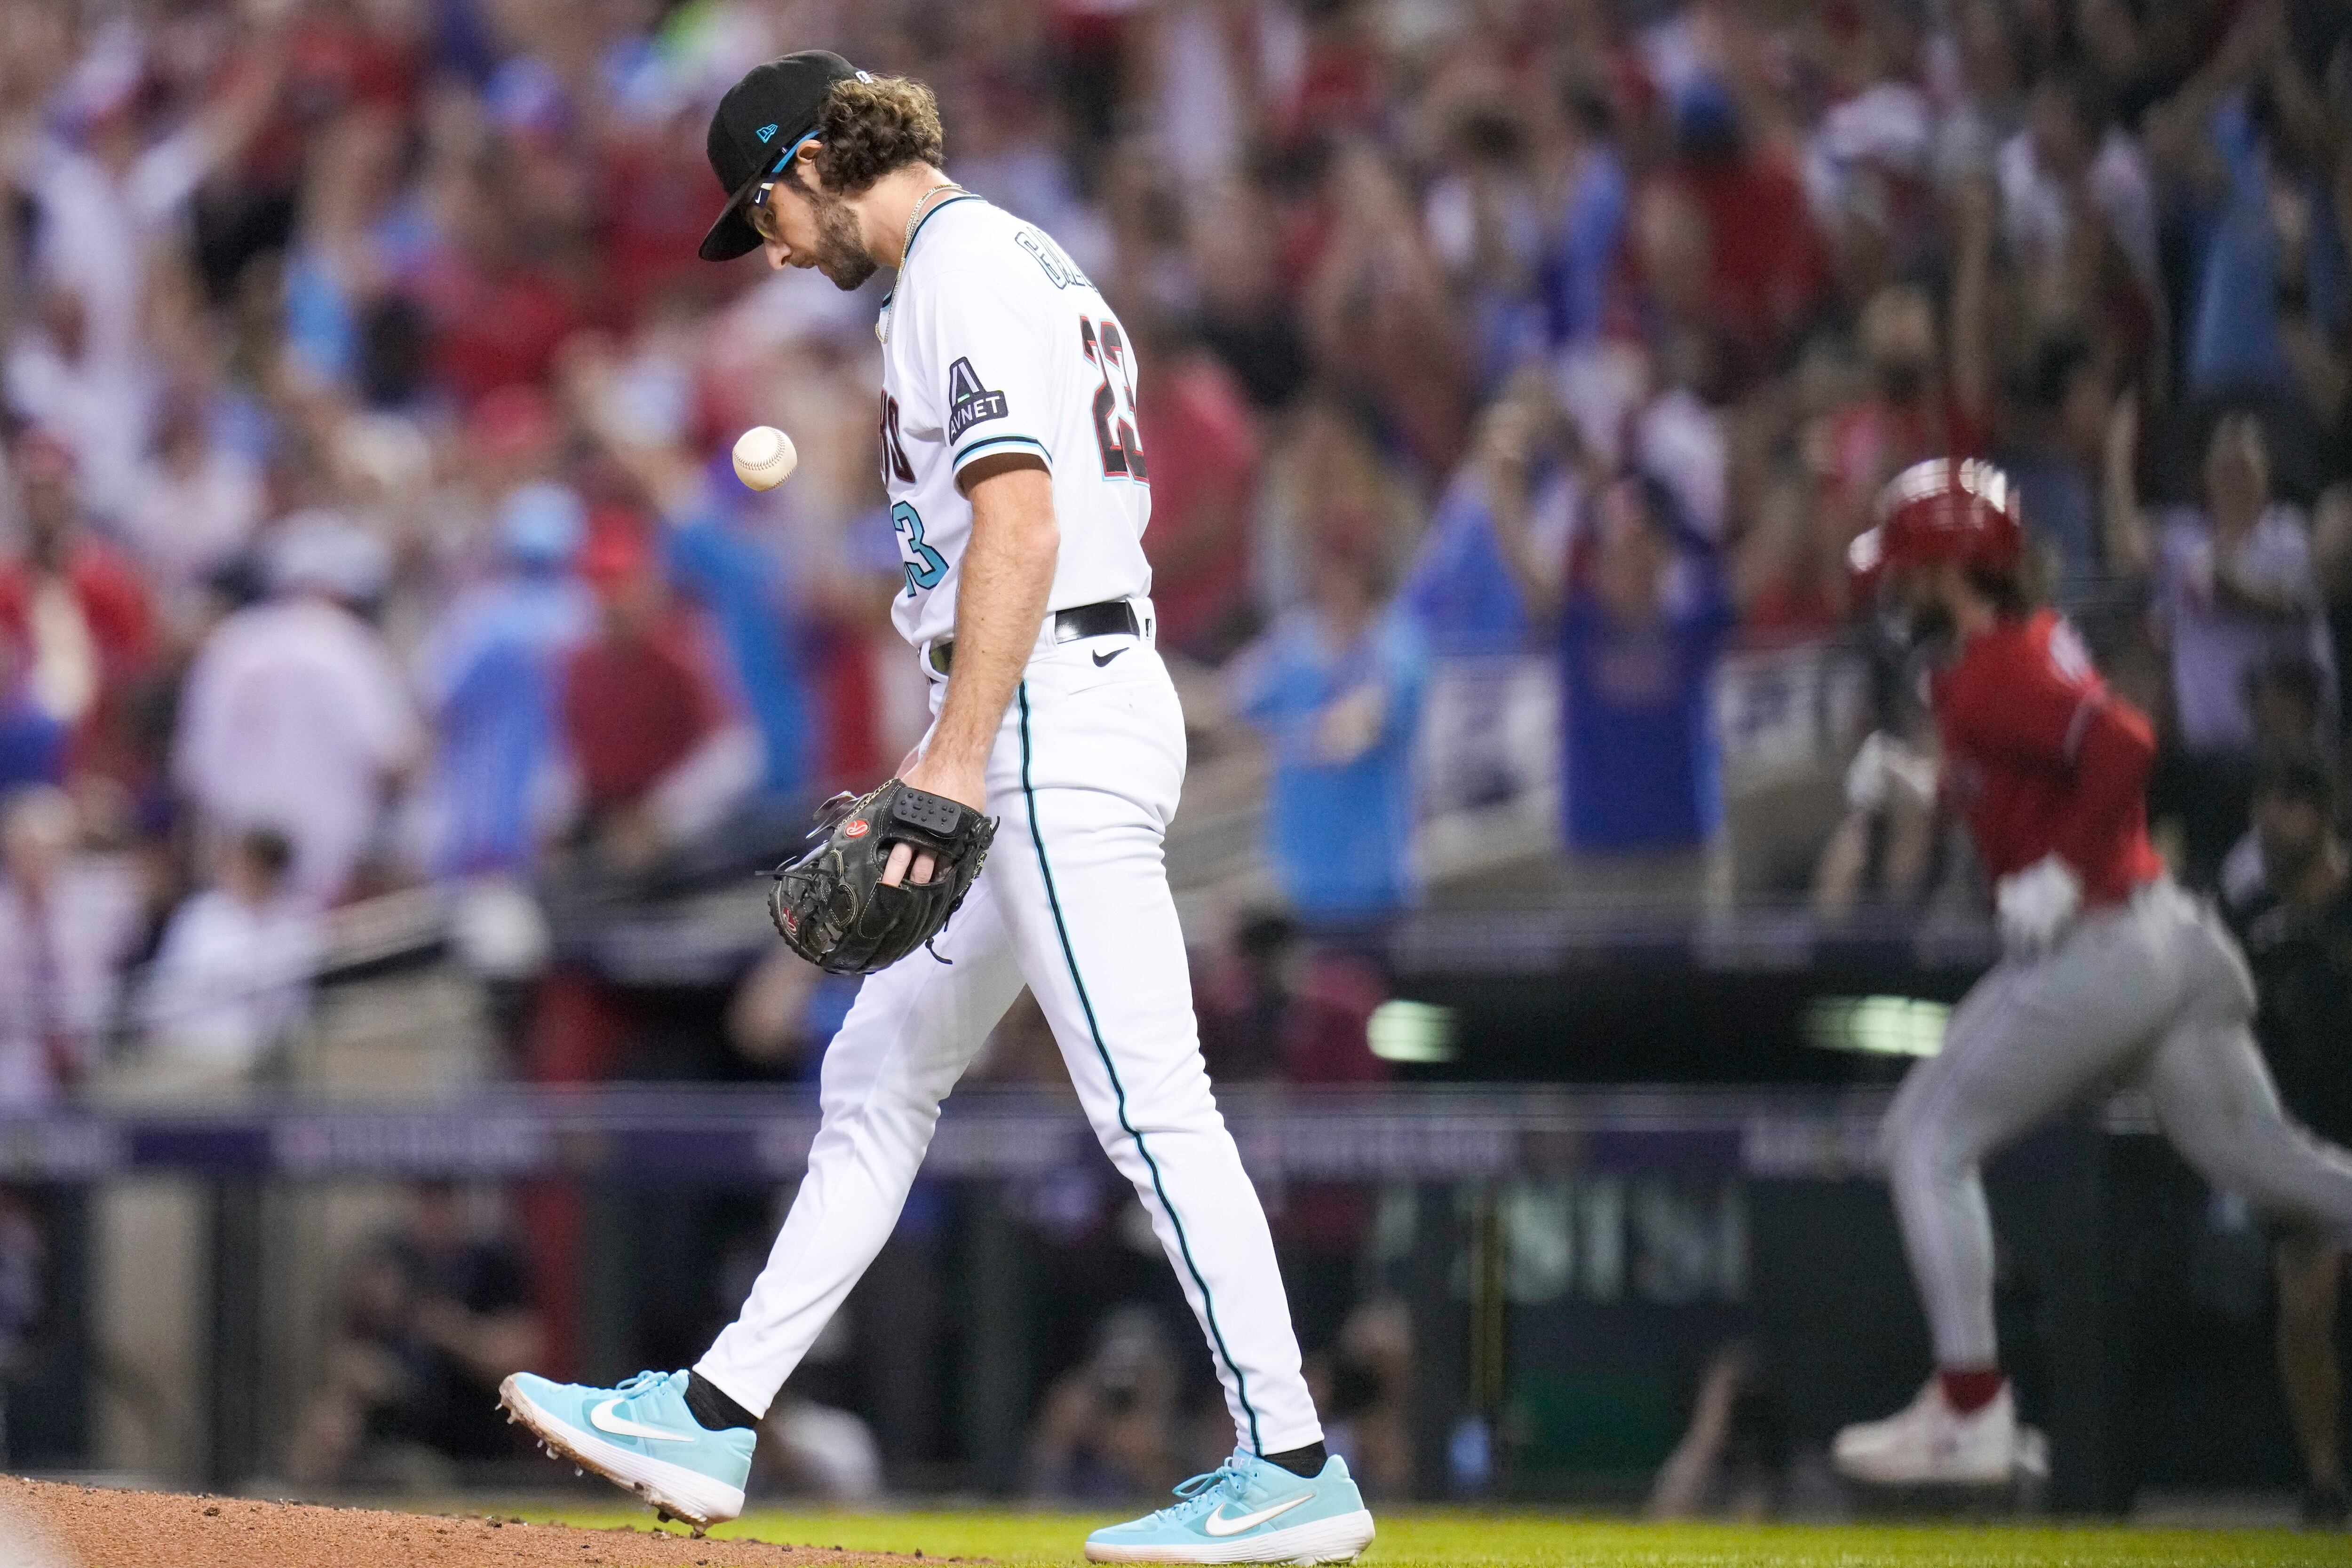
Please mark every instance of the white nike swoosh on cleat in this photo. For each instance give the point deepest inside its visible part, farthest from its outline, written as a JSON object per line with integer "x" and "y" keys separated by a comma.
{"x": 604, "y": 1420}
{"x": 1218, "y": 1524}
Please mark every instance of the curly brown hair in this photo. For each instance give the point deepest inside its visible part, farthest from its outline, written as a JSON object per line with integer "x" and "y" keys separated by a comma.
{"x": 867, "y": 128}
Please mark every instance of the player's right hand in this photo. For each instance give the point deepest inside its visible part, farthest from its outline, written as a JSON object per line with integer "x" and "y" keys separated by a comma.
{"x": 2036, "y": 906}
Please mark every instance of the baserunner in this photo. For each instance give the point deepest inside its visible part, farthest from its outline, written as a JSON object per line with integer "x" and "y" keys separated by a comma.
{"x": 2110, "y": 974}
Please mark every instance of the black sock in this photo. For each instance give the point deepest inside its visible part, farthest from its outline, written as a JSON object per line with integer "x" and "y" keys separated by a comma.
{"x": 1307, "y": 1461}
{"x": 712, "y": 1408}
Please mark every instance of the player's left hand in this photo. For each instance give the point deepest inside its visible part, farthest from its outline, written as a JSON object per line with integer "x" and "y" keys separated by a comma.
{"x": 2036, "y": 906}
{"x": 831, "y": 906}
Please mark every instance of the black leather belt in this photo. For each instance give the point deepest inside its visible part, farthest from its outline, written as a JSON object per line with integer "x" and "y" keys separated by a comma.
{"x": 1111, "y": 618}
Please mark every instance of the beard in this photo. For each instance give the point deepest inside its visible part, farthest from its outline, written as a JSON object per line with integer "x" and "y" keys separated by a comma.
{"x": 840, "y": 254}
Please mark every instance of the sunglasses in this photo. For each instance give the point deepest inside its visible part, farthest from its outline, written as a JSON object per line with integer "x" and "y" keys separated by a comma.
{"x": 758, "y": 212}
{"x": 760, "y": 216}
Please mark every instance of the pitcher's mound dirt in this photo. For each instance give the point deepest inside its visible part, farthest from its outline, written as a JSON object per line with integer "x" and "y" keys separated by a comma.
{"x": 90, "y": 1527}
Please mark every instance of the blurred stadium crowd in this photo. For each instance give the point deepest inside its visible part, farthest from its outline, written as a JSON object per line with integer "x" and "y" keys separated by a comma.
{"x": 368, "y": 524}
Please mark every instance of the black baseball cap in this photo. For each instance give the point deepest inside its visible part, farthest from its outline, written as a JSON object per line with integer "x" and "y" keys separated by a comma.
{"x": 754, "y": 132}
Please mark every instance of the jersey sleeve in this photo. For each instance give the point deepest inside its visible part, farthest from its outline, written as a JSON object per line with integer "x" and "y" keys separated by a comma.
{"x": 2031, "y": 703}
{"x": 991, "y": 361}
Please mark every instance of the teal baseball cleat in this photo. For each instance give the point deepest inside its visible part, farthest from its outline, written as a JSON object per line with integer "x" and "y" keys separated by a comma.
{"x": 640, "y": 1435}
{"x": 1248, "y": 1510}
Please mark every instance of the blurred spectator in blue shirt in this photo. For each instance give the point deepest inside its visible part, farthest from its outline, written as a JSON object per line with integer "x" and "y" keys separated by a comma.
{"x": 2253, "y": 138}
{"x": 1486, "y": 221}
{"x": 1486, "y": 731}
{"x": 1642, "y": 615}
{"x": 1460, "y": 590}
{"x": 2252, "y": 255}
{"x": 2057, "y": 442}
{"x": 1335, "y": 687}
{"x": 489, "y": 677}
{"x": 1640, "y": 631}
{"x": 1579, "y": 269}
{"x": 714, "y": 551}
{"x": 32, "y": 738}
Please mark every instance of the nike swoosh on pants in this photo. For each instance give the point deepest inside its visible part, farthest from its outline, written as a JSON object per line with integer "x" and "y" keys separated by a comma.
{"x": 1218, "y": 1524}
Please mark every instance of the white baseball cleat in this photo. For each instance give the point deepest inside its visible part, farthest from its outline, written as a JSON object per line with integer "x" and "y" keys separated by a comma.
{"x": 1930, "y": 1444}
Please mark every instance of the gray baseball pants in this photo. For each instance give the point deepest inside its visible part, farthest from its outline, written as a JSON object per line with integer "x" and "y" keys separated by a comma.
{"x": 2153, "y": 995}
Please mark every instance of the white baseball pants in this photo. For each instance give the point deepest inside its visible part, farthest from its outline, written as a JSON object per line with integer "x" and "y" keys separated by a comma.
{"x": 1075, "y": 903}
{"x": 2152, "y": 994}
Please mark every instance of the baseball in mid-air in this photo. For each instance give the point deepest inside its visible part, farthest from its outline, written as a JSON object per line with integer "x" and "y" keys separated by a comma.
{"x": 764, "y": 458}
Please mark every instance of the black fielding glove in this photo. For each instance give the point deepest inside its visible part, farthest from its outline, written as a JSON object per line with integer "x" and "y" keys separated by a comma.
{"x": 830, "y": 905}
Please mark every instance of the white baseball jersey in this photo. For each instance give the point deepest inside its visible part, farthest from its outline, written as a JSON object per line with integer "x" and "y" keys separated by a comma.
{"x": 993, "y": 341}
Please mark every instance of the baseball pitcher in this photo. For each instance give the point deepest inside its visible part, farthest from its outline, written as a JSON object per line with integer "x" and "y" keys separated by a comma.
{"x": 1019, "y": 493}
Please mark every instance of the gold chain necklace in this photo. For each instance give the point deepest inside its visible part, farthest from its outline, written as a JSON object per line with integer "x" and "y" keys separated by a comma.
{"x": 915, "y": 218}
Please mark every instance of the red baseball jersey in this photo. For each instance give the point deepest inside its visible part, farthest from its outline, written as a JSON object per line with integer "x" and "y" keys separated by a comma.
{"x": 2040, "y": 756}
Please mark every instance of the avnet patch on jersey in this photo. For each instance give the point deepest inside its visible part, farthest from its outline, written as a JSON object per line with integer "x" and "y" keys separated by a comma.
{"x": 969, "y": 403}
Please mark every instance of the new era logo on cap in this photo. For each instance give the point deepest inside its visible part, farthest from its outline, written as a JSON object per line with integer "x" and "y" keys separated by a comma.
{"x": 767, "y": 133}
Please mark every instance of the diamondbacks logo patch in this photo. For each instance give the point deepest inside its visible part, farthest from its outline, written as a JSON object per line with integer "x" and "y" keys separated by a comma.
{"x": 969, "y": 403}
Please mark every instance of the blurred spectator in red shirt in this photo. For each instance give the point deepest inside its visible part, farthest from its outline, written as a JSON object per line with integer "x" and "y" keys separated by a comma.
{"x": 1768, "y": 270}
{"x": 1342, "y": 84}
{"x": 77, "y": 611}
{"x": 1203, "y": 447}
{"x": 640, "y": 696}
{"x": 652, "y": 208}
{"x": 511, "y": 439}
{"x": 500, "y": 311}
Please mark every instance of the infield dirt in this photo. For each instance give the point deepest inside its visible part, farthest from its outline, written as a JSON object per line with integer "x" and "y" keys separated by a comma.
{"x": 91, "y": 1526}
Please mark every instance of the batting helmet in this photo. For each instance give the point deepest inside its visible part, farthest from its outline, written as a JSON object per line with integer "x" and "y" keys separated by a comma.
{"x": 1959, "y": 509}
